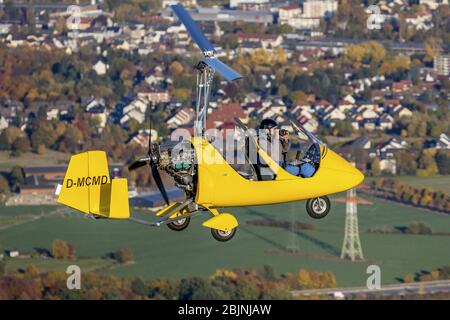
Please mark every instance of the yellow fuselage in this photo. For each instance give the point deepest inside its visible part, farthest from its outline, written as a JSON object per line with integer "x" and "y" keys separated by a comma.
{"x": 219, "y": 185}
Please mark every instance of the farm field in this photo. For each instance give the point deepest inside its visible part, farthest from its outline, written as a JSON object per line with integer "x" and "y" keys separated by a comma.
{"x": 32, "y": 159}
{"x": 162, "y": 253}
{"x": 441, "y": 183}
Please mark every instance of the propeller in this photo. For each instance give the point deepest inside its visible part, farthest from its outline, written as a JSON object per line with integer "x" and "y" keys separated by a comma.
{"x": 149, "y": 159}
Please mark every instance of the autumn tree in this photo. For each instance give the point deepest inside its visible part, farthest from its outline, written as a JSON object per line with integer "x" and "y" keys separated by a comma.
{"x": 21, "y": 145}
{"x": 31, "y": 271}
{"x": 4, "y": 185}
{"x": 375, "y": 167}
{"x": 60, "y": 249}
{"x": 426, "y": 163}
{"x": 443, "y": 162}
{"x": 124, "y": 255}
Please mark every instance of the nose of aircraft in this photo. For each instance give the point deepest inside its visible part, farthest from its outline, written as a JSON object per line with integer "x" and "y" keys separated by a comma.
{"x": 345, "y": 174}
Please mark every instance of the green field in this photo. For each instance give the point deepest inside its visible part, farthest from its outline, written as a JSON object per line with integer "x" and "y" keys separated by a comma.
{"x": 436, "y": 183}
{"x": 162, "y": 253}
{"x": 32, "y": 159}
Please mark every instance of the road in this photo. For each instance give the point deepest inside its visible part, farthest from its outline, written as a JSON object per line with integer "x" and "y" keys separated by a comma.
{"x": 429, "y": 287}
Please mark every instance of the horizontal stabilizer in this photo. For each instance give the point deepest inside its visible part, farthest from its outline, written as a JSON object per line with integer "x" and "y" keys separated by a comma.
{"x": 222, "y": 68}
{"x": 193, "y": 29}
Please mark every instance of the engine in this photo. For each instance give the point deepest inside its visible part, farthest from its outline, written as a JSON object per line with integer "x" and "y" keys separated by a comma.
{"x": 178, "y": 160}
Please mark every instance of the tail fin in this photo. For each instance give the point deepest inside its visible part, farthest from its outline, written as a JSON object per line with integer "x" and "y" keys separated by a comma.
{"x": 88, "y": 188}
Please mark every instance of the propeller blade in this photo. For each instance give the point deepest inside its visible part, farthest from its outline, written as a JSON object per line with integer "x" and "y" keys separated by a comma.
{"x": 137, "y": 164}
{"x": 158, "y": 180}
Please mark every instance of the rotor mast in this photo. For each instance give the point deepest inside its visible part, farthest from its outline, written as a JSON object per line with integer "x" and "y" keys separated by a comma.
{"x": 206, "y": 68}
{"x": 205, "y": 75}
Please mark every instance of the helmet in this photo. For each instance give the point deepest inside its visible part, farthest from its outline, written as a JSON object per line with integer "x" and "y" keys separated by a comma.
{"x": 268, "y": 124}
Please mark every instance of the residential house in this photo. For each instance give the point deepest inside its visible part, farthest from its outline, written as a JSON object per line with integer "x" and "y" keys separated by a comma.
{"x": 388, "y": 164}
{"x": 394, "y": 143}
{"x": 226, "y": 113}
{"x": 443, "y": 142}
{"x": 361, "y": 142}
{"x": 155, "y": 96}
{"x": 100, "y": 67}
{"x": 401, "y": 111}
{"x": 180, "y": 118}
{"x": 332, "y": 114}
{"x": 267, "y": 41}
{"x": 401, "y": 86}
{"x": 3, "y": 123}
{"x": 96, "y": 109}
{"x": 386, "y": 122}
{"x": 142, "y": 137}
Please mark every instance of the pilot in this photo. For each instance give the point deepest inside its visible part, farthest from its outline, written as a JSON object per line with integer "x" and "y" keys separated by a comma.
{"x": 305, "y": 170}
{"x": 269, "y": 126}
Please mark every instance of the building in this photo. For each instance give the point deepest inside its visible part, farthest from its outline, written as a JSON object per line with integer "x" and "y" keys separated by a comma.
{"x": 155, "y": 96}
{"x": 249, "y": 4}
{"x": 308, "y": 15}
{"x": 222, "y": 15}
{"x": 443, "y": 142}
{"x": 182, "y": 117}
{"x": 319, "y": 8}
{"x": 442, "y": 64}
{"x": 100, "y": 68}
{"x": 186, "y": 3}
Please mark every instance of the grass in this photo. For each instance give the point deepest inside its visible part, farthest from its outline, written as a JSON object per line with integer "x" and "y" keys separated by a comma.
{"x": 32, "y": 159}
{"x": 441, "y": 183}
{"x": 20, "y": 214}
{"x": 162, "y": 253}
{"x": 49, "y": 264}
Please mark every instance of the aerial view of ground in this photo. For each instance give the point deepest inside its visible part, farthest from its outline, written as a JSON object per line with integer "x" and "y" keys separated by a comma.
{"x": 163, "y": 253}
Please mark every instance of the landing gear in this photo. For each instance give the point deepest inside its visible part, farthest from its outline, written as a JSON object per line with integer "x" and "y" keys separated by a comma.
{"x": 223, "y": 235}
{"x": 179, "y": 225}
{"x": 318, "y": 208}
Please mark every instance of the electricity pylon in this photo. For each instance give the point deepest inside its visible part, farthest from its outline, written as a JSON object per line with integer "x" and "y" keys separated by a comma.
{"x": 351, "y": 248}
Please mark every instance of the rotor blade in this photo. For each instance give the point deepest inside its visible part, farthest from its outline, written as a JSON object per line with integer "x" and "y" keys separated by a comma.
{"x": 159, "y": 183}
{"x": 222, "y": 68}
{"x": 137, "y": 164}
{"x": 193, "y": 29}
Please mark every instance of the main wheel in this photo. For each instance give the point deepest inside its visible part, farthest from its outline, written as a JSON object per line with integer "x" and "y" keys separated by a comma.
{"x": 318, "y": 208}
{"x": 179, "y": 225}
{"x": 223, "y": 235}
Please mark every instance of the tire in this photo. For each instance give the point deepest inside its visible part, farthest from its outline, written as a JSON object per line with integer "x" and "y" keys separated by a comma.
{"x": 180, "y": 224}
{"x": 223, "y": 236}
{"x": 318, "y": 208}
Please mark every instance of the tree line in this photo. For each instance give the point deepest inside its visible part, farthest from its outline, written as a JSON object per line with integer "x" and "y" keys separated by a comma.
{"x": 238, "y": 284}
{"x": 420, "y": 197}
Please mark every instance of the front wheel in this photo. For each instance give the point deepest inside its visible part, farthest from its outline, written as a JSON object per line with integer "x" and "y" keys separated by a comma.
{"x": 318, "y": 208}
{"x": 223, "y": 235}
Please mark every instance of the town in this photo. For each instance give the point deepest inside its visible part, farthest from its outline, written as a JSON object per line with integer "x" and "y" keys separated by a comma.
{"x": 370, "y": 78}
{"x": 382, "y": 95}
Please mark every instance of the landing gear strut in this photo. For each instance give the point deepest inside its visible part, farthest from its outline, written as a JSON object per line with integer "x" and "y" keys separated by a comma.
{"x": 318, "y": 208}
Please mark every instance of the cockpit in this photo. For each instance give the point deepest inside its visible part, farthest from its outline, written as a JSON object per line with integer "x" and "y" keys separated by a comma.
{"x": 299, "y": 154}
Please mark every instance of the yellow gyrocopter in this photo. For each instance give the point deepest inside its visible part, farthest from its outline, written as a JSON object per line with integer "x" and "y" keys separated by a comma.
{"x": 200, "y": 168}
